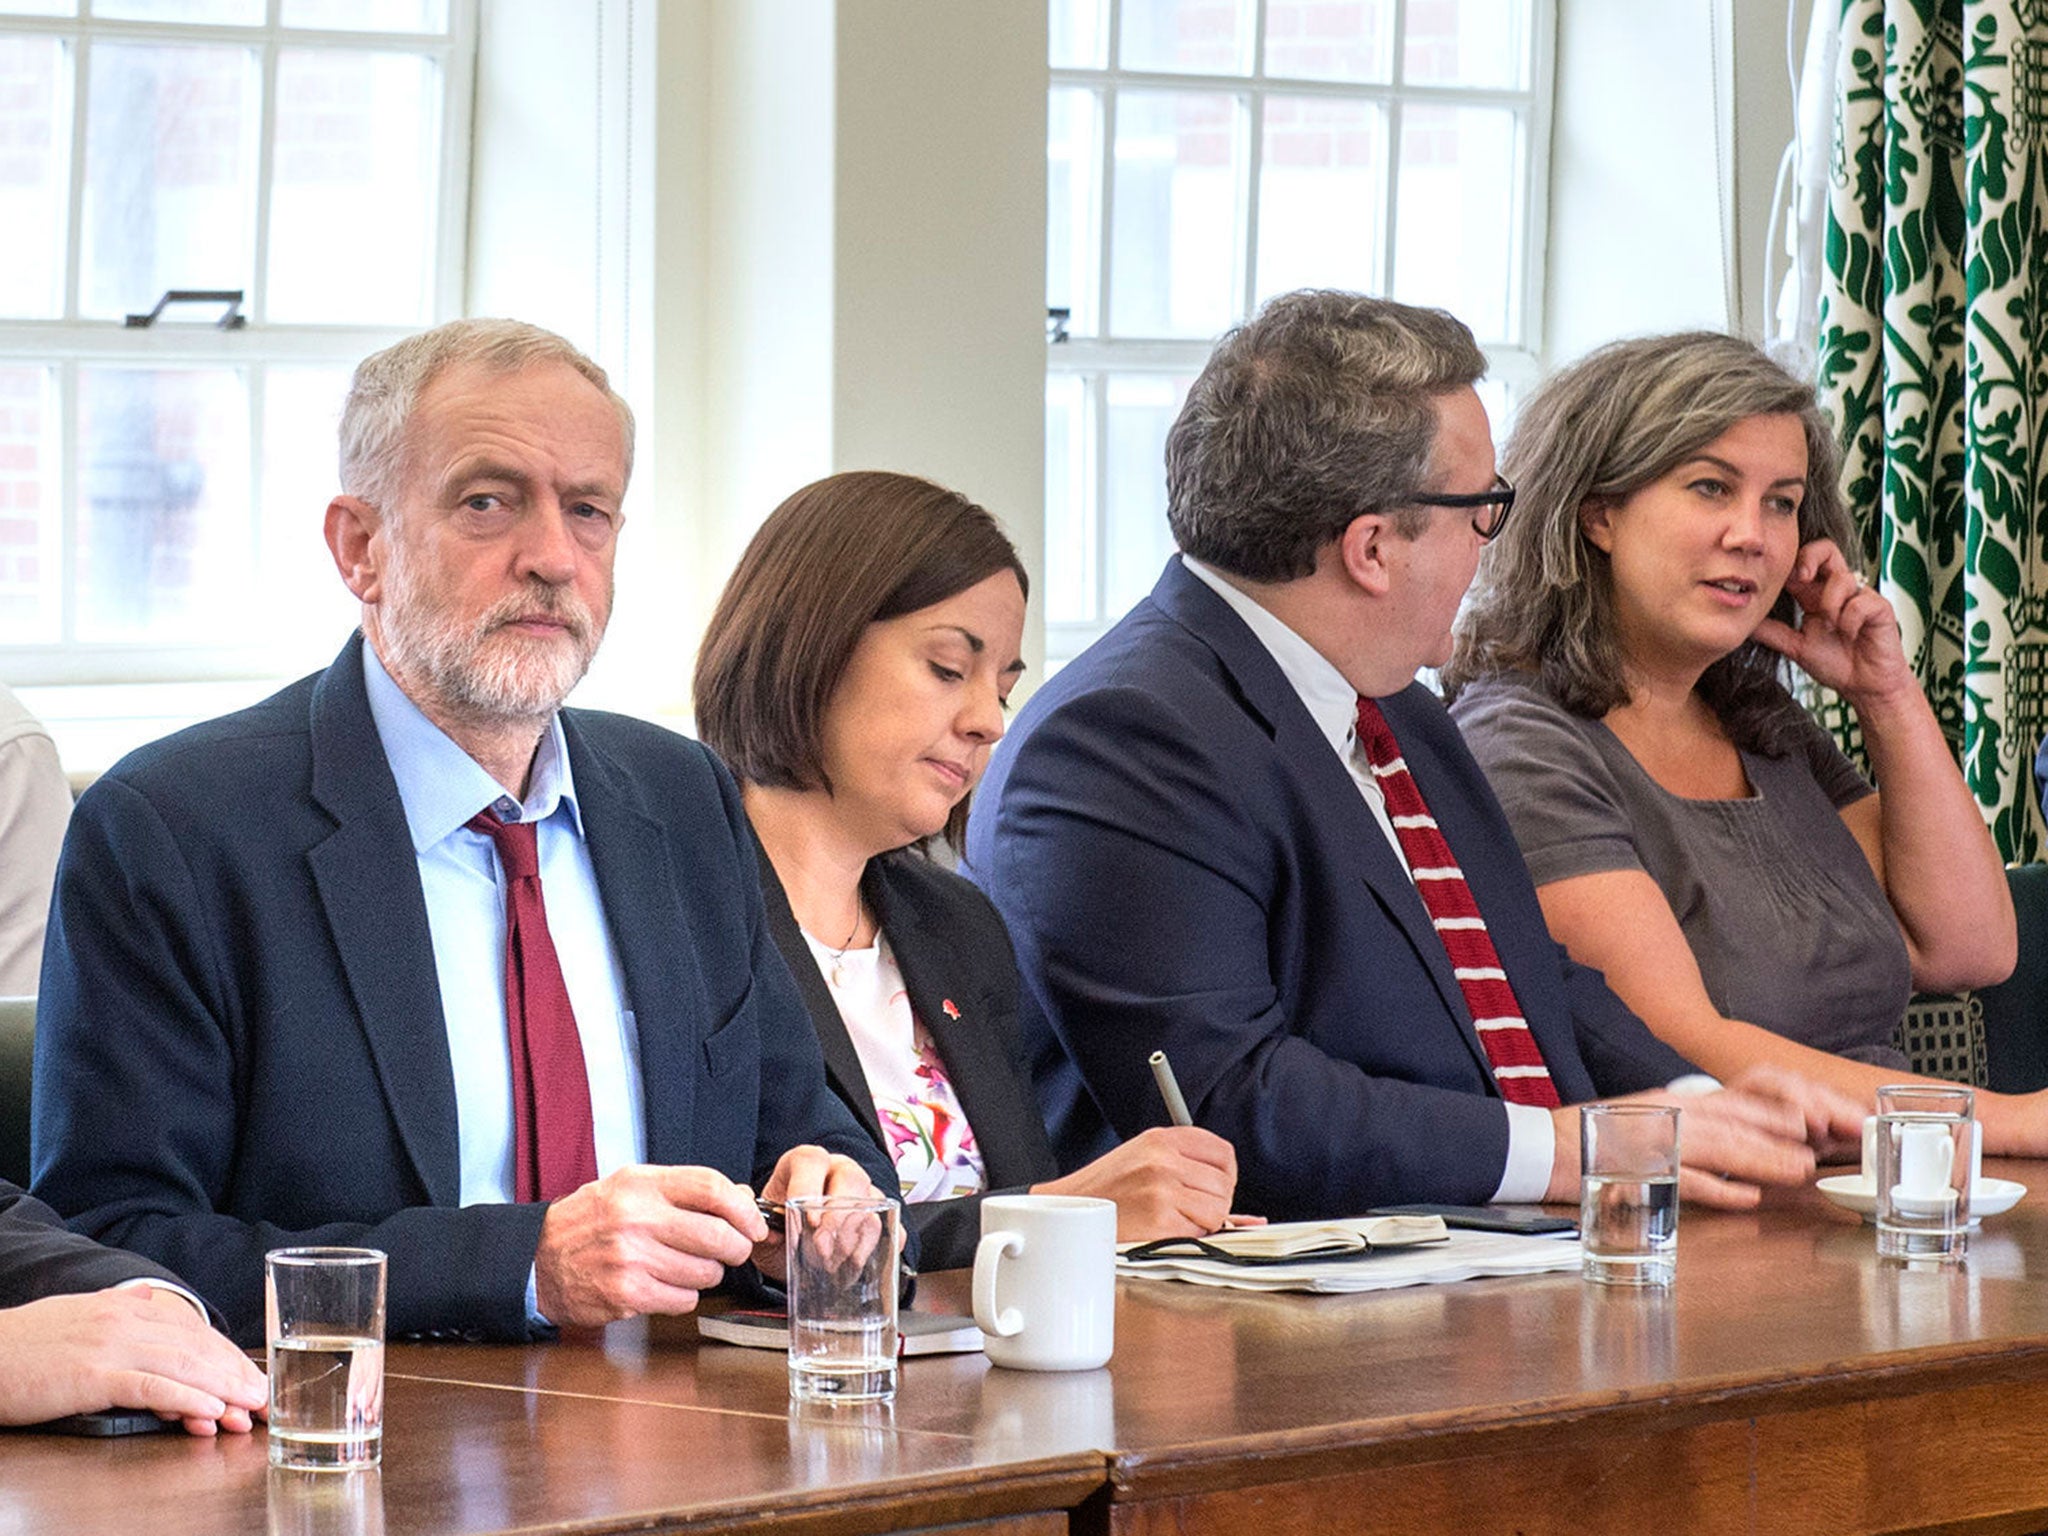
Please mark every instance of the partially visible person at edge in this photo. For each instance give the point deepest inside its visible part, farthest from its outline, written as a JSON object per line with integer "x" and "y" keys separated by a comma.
{"x": 85, "y": 1328}
{"x": 1679, "y": 535}
{"x": 855, "y": 675}
{"x": 410, "y": 957}
{"x": 35, "y": 804}
{"x": 1238, "y": 829}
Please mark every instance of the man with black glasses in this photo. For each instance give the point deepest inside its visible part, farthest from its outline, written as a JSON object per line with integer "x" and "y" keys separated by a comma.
{"x": 1238, "y": 830}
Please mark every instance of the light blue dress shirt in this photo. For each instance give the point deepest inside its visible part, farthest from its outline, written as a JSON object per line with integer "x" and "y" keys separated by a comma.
{"x": 442, "y": 787}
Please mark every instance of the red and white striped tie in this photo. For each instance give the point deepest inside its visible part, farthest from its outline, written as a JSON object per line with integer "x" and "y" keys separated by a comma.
{"x": 1517, "y": 1060}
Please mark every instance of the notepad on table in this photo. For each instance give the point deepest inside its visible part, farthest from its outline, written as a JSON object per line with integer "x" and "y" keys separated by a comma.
{"x": 1367, "y": 1253}
{"x": 917, "y": 1333}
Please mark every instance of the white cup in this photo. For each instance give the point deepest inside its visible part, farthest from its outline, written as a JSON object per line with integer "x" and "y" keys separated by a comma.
{"x": 1045, "y": 1281}
{"x": 1870, "y": 1150}
{"x": 1926, "y": 1153}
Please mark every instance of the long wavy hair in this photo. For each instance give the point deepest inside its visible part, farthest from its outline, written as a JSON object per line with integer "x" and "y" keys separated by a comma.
{"x": 1597, "y": 432}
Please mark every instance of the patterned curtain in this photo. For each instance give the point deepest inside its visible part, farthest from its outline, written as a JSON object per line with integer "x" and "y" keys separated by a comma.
{"x": 1933, "y": 360}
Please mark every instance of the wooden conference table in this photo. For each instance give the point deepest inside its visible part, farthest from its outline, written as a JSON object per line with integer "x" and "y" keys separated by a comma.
{"x": 1788, "y": 1382}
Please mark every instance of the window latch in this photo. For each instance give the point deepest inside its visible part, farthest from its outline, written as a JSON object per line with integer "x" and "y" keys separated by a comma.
{"x": 232, "y": 318}
{"x": 1056, "y": 320}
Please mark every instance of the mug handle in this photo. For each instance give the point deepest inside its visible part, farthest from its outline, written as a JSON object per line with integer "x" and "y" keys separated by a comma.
{"x": 995, "y": 1246}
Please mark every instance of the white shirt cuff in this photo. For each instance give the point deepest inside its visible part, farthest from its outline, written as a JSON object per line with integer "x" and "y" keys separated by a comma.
{"x": 1532, "y": 1147}
{"x": 165, "y": 1285}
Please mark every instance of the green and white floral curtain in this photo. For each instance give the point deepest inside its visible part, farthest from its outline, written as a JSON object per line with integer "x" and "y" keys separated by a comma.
{"x": 1933, "y": 357}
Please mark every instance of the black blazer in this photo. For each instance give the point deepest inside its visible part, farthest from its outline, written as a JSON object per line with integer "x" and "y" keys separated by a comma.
{"x": 952, "y": 947}
{"x": 39, "y": 1258}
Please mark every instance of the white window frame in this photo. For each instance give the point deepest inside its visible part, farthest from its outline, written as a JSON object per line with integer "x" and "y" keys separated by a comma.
{"x": 1514, "y": 364}
{"x": 65, "y": 345}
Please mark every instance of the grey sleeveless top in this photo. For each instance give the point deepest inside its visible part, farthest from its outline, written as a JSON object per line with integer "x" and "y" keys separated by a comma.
{"x": 1787, "y": 921}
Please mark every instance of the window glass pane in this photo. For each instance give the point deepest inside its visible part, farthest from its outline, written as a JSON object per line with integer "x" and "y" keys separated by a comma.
{"x": 1176, "y": 241}
{"x": 1187, "y": 36}
{"x": 368, "y": 15}
{"x": 35, "y": 141}
{"x": 1079, "y": 33}
{"x": 234, "y": 13}
{"x": 357, "y": 137}
{"x": 1141, "y": 407}
{"x": 163, "y": 465}
{"x": 1456, "y": 242}
{"x": 1467, "y": 42}
{"x": 1073, "y": 202}
{"x": 1322, "y": 194}
{"x": 1332, "y": 39}
{"x": 170, "y": 173}
{"x": 1069, "y": 502}
{"x": 38, "y": 7}
{"x": 29, "y": 514}
{"x": 305, "y": 609}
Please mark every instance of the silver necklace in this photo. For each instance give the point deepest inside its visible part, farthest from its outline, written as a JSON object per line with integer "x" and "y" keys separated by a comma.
{"x": 846, "y": 947}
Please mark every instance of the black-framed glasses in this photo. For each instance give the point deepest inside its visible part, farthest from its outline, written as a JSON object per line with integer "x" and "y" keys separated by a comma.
{"x": 1489, "y": 509}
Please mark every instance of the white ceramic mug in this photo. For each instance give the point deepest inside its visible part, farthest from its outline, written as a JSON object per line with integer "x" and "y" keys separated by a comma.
{"x": 1926, "y": 1152}
{"x": 1870, "y": 1151}
{"x": 1045, "y": 1281}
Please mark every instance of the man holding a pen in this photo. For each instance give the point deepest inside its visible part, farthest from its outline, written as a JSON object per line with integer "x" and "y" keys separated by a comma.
{"x": 1237, "y": 829}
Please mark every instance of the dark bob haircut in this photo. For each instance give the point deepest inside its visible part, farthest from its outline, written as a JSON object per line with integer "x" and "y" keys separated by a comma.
{"x": 842, "y": 553}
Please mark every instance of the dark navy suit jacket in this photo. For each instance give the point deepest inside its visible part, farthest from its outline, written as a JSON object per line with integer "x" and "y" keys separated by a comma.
{"x": 950, "y": 945}
{"x": 39, "y": 1258}
{"x": 1184, "y": 864}
{"x": 240, "y": 1043}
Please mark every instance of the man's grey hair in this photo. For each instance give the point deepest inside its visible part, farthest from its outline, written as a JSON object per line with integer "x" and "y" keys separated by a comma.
{"x": 388, "y": 384}
{"x": 1319, "y": 409}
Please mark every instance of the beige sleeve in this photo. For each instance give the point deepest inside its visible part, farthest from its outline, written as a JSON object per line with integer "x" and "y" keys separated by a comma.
{"x": 35, "y": 805}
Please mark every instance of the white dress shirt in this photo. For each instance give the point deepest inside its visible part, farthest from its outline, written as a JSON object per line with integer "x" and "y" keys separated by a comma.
{"x": 1333, "y": 704}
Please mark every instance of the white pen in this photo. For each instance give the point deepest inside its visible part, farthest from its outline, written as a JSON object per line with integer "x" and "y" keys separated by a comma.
{"x": 1169, "y": 1090}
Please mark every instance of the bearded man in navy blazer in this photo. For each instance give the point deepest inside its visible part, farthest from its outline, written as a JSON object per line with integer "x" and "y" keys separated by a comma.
{"x": 1193, "y": 853}
{"x": 274, "y": 1001}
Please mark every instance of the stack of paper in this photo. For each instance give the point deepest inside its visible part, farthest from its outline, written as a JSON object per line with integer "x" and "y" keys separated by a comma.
{"x": 1406, "y": 1250}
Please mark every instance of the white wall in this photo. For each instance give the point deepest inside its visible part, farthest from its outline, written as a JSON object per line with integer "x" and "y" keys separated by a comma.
{"x": 812, "y": 239}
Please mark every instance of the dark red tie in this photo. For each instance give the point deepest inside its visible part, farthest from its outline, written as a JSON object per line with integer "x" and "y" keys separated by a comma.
{"x": 554, "y": 1149}
{"x": 1517, "y": 1061}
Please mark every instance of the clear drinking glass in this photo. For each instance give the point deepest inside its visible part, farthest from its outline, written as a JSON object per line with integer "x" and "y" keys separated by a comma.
{"x": 1924, "y": 1139}
{"x": 324, "y": 1320}
{"x": 842, "y": 1298}
{"x": 1628, "y": 1202}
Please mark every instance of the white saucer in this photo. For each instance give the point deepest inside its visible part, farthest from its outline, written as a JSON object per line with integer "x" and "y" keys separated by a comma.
{"x": 1854, "y": 1192}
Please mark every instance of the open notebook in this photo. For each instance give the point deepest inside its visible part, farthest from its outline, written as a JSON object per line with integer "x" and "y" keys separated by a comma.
{"x": 1365, "y": 1253}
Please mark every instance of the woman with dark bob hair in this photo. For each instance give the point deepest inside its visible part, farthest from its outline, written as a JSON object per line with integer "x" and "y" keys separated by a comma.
{"x": 854, "y": 676}
{"x": 1678, "y": 537}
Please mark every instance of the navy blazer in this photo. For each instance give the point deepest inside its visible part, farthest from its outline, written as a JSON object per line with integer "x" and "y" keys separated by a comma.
{"x": 1184, "y": 864}
{"x": 240, "y": 1043}
{"x": 951, "y": 947}
{"x": 39, "y": 1257}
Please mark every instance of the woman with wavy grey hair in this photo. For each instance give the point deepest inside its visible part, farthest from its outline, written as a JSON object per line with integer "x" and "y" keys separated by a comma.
{"x": 1679, "y": 536}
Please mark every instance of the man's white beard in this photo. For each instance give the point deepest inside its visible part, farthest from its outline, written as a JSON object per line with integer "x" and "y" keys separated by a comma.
{"x": 486, "y": 672}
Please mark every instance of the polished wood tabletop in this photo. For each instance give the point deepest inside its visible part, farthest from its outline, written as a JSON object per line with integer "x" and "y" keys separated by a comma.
{"x": 1789, "y": 1380}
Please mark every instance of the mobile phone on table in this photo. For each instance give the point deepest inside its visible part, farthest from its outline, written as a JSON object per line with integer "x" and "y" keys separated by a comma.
{"x": 107, "y": 1423}
{"x": 1524, "y": 1220}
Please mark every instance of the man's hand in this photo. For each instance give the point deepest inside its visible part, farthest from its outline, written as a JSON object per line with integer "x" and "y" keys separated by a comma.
{"x": 809, "y": 1171}
{"x": 1760, "y": 1130}
{"x": 1170, "y": 1181}
{"x": 641, "y": 1239}
{"x": 131, "y": 1347}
